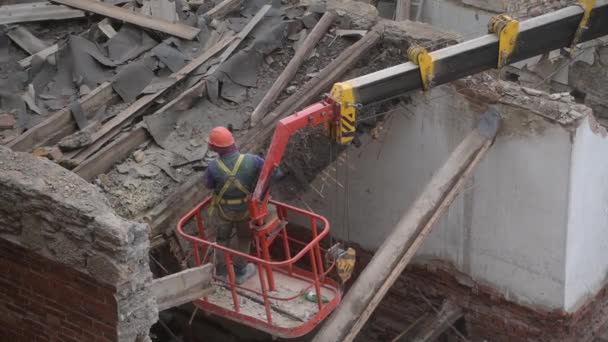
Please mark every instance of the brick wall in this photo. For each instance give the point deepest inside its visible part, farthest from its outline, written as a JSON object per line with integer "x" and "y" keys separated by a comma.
{"x": 43, "y": 300}
{"x": 488, "y": 315}
{"x": 70, "y": 268}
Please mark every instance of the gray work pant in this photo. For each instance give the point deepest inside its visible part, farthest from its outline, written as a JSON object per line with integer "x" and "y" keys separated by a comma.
{"x": 235, "y": 235}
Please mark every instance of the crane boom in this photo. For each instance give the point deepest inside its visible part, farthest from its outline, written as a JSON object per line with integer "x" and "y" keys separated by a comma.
{"x": 555, "y": 30}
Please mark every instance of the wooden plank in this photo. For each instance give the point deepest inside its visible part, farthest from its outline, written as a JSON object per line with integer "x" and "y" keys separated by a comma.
{"x": 447, "y": 315}
{"x": 40, "y": 134}
{"x": 291, "y": 69}
{"x": 106, "y": 27}
{"x": 400, "y": 246}
{"x": 191, "y": 192}
{"x": 36, "y": 11}
{"x": 177, "y": 29}
{"x": 114, "y": 152}
{"x": 223, "y": 8}
{"x": 111, "y": 128}
{"x": 182, "y": 287}
{"x": 43, "y": 54}
{"x": 26, "y": 40}
{"x": 402, "y": 10}
{"x": 241, "y": 36}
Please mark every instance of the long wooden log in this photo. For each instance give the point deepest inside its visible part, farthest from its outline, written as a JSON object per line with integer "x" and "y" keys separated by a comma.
{"x": 101, "y": 8}
{"x": 191, "y": 192}
{"x": 62, "y": 120}
{"x": 292, "y": 68}
{"x": 401, "y": 245}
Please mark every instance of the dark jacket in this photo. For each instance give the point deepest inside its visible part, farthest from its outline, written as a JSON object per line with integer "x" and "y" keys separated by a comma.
{"x": 247, "y": 174}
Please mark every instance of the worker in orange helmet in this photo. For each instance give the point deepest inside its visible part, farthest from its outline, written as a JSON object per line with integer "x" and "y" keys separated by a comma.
{"x": 232, "y": 176}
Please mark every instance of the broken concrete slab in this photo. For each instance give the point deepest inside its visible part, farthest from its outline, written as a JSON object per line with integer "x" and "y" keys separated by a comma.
{"x": 170, "y": 56}
{"x": 86, "y": 63}
{"x": 310, "y": 20}
{"x": 132, "y": 79}
{"x": 232, "y": 91}
{"x": 164, "y": 9}
{"x": 160, "y": 126}
{"x": 269, "y": 35}
{"x": 129, "y": 43}
{"x": 41, "y": 74}
{"x": 4, "y": 42}
{"x": 237, "y": 24}
{"x": 242, "y": 67}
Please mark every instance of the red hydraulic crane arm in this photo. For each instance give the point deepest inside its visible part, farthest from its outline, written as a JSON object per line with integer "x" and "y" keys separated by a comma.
{"x": 321, "y": 112}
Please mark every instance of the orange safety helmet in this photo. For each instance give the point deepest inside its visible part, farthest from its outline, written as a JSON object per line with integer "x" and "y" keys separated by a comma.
{"x": 220, "y": 137}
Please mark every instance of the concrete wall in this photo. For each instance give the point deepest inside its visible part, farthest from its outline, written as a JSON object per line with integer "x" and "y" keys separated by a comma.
{"x": 70, "y": 258}
{"x": 587, "y": 248}
{"x": 469, "y": 22}
{"x": 510, "y": 227}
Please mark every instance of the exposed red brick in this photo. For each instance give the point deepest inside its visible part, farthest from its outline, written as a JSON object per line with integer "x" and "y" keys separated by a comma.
{"x": 7, "y": 121}
{"x": 43, "y": 300}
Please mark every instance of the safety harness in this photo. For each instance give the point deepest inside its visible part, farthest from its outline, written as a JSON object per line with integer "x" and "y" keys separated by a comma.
{"x": 218, "y": 198}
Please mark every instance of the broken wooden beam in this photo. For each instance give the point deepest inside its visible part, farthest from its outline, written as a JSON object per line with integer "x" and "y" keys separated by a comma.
{"x": 119, "y": 13}
{"x": 111, "y": 128}
{"x": 183, "y": 287}
{"x": 399, "y": 247}
{"x": 118, "y": 150}
{"x": 114, "y": 152}
{"x": 51, "y": 50}
{"x": 291, "y": 69}
{"x": 26, "y": 40}
{"x": 431, "y": 328}
{"x": 223, "y": 8}
{"x": 36, "y": 11}
{"x": 402, "y": 10}
{"x": 190, "y": 193}
{"x": 62, "y": 120}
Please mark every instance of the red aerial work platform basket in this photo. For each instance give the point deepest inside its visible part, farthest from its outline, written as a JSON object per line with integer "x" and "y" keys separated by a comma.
{"x": 274, "y": 300}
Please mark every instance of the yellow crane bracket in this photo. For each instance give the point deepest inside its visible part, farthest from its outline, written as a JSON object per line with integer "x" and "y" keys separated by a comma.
{"x": 421, "y": 57}
{"x": 343, "y": 130}
{"x": 587, "y": 6}
{"x": 507, "y": 30}
{"x": 343, "y": 259}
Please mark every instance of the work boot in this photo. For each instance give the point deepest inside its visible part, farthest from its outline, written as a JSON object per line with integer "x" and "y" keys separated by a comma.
{"x": 243, "y": 274}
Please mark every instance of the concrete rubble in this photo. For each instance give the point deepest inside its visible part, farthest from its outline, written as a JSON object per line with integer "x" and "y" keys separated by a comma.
{"x": 56, "y": 214}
